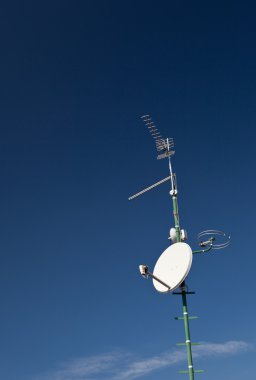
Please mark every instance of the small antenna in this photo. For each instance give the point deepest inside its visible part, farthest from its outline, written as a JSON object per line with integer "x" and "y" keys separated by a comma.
{"x": 149, "y": 188}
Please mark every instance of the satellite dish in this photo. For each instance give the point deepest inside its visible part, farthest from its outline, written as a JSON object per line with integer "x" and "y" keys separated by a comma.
{"x": 172, "y": 267}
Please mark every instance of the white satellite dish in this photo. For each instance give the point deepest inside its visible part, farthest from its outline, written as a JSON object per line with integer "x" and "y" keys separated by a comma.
{"x": 172, "y": 267}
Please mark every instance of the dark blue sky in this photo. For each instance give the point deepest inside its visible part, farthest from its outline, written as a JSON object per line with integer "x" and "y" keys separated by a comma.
{"x": 75, "y": 79}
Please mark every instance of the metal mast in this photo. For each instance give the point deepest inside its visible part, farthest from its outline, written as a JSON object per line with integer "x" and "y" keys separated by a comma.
{"x": 183, "y": 292}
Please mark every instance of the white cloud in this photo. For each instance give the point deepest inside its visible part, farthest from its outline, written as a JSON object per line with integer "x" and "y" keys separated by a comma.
{"x": 86, "y": 367}
{"x": 227, "y": 348}
{"x": 123, "y": 366}
{"x": 138, "y": 368}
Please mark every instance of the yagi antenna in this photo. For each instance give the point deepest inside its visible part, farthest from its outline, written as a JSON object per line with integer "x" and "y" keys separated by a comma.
{"x": 164, "y": 146}
{"x": 173, "y": 265}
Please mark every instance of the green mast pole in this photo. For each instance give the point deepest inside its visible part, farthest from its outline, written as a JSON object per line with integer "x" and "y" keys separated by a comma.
{"x": 174, "y": 194}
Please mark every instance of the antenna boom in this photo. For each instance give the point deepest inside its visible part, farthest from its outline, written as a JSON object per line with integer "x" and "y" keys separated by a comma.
{"x": 149, "y": 188}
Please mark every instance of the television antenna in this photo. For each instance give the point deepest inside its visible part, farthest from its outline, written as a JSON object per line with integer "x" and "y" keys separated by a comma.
{"x": 173, "y": 265}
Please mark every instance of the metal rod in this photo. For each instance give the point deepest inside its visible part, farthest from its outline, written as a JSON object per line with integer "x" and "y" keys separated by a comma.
{"x": 203, "y": 250}
{"x": 187, "y": 332}
{"x": 158, "y": 279}
{"x": 170, "y": 169}
{"x": 174, "y": 194}
{"x": 176, "y": 216}
{"x": 149, "y": 188}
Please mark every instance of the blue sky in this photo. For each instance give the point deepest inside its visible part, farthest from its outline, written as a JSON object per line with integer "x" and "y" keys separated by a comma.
{"x": 75, "y": 79}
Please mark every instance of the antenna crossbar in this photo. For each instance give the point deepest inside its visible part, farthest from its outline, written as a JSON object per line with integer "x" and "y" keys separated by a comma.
{"x": 149, "y": 188}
